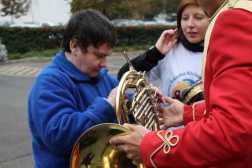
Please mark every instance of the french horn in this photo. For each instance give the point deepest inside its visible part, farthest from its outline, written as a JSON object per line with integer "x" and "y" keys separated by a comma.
{"x": 194, "y": 94}
{"x": 93, "y": 150}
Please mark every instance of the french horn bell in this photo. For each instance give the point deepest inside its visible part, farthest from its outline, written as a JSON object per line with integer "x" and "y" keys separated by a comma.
{"x": 93, "y": 150}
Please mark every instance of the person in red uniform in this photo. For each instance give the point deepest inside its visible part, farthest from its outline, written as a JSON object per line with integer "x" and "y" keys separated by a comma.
{"x": 218, "y": 132}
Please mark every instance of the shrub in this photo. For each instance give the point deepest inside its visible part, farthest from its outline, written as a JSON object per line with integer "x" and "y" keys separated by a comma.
{"x": 23, "y": 40}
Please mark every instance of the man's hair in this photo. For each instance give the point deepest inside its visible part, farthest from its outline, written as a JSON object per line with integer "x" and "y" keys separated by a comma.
{"x": 89, "y": 27}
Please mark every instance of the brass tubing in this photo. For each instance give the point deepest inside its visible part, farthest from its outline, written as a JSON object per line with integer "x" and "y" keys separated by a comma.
{"x": 127, "y": 58}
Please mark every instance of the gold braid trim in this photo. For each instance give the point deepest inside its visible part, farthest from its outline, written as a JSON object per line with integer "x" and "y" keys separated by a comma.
{"x": 167, "y": 144}
{"x": 193, "y": 112}
{"x": 211, "y": 22}
{"x": 194, "y": 90}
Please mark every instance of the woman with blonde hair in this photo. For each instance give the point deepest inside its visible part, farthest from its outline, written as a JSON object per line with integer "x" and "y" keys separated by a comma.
{"x": 176, "y": 59}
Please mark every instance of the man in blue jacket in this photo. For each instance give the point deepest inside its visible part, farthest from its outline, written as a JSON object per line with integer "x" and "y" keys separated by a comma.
{"x": 74, "y": 92}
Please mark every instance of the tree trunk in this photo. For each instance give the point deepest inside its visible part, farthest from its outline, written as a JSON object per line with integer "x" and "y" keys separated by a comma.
{"x": 104, "y": 11}
{"x": 12, "y": 14}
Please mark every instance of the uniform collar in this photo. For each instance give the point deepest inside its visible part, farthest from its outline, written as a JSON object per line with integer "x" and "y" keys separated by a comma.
{"x": 211, "y": 18}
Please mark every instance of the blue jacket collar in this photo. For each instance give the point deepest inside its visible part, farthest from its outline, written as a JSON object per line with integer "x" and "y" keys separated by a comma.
{"x": 71, "y": 70}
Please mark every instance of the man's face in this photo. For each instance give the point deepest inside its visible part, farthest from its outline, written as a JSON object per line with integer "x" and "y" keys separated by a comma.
{"x": 91, "y": 62}
{"x": 204, "y": 4}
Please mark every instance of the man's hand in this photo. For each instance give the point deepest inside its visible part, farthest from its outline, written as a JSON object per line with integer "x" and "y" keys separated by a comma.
{"x": 131, "y": 143}
{"x": 158, "y": 93}
{"x": 164, "y": 40}
{"x": 172, "y": 115}
{"x": 112, "y": 97}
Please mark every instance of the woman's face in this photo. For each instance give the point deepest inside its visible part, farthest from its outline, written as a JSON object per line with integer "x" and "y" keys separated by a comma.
{"x": 194, "y": 23}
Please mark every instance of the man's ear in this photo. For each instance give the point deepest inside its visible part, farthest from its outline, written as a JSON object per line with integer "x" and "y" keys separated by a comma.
{"x": 74, "y": 47}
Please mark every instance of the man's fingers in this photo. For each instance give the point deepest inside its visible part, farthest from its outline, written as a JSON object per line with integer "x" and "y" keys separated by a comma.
{"x": 160, "y": 109}
{"x": 126, "y": 96}
{"x": 117, "y": 140}
{"x": 134, "y": 155}
{"x": 121, "y": 134}
{"x": 130, "y": 126}
{"x": 121, "y": 138}
{"x": 155, "y": 89}
{"x": 160, "y": 122}
{"x": 160, "y": 115}
{"x": 119, "y": 147}
{"x": 169, "y": 100}
{"x": 159, "y": 93}
{"x": 130, "y": 79}
{"x": 138, "y": 161}
{"x": 164, "y": 128}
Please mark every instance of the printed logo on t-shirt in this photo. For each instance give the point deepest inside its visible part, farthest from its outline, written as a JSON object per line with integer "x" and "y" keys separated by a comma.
{"x": 180, "y": 83}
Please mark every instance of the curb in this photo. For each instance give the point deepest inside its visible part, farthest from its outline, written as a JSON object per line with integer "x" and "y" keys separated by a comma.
{"x": 43, "y": 59}
{"x": 27, "y": 60}
{"x": 132, "y": 53}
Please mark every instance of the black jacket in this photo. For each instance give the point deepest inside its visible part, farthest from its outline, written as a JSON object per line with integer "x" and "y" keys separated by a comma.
{"x": 144, "y": 62}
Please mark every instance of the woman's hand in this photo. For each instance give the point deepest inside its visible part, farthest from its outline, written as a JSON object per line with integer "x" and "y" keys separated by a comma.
{"x": 164, "y": 40}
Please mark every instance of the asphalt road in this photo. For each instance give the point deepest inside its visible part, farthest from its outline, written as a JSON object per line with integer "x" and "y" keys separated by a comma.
{"x": 16, "y": 80}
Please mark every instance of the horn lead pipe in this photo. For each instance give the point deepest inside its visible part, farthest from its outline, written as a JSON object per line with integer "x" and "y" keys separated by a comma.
{"x": 127, "y": 58}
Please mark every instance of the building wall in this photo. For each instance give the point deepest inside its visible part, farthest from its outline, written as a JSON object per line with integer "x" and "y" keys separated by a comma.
{"x": 44, "y": 10}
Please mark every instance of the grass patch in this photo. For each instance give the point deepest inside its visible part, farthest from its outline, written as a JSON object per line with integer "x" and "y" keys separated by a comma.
{"x": 53, "y": 52}
{"x": 43, "y": 53}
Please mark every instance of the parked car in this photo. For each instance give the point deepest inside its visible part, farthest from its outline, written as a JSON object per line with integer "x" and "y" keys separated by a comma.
{"x": 6, "y": 23}
{"x": 24, "y": 25}
{"x": 118, "y": 21}
{"x": 45, "y": 23}
{"x": 127, "y": 22}
{"x": 150, "y": 23}
{"x": 166, "y": 23}
{"x": 60, "y": 23}
{"x": 174, "y": 23}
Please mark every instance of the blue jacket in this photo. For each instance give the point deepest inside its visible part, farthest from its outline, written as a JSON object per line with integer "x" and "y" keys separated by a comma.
{"x": 63, "y": 104}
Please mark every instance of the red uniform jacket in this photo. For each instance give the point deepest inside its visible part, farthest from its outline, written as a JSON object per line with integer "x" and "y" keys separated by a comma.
{"x": 224, "y": 137}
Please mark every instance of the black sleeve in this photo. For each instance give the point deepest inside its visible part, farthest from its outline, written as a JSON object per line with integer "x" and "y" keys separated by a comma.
{"x": 144, "y": 62}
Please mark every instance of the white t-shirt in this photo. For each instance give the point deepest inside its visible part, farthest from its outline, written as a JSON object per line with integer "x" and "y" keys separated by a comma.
{"x": 178, "y": 70}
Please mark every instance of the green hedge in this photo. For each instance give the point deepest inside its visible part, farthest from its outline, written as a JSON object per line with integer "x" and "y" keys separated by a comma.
{"x": 22, "y": 40}
{"x": 140, "y": 35}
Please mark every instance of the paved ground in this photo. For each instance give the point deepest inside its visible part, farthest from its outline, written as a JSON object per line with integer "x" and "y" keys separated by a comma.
{"x": 16, "y": 79}
{"x": 20, "y": 70}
